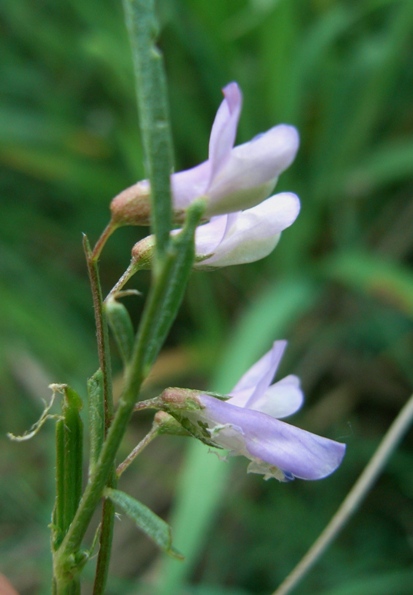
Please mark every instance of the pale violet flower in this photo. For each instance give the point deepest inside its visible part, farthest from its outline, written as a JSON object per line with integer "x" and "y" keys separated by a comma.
{"x": 231, "y": 179}
{"x": 246, "y": 236}
{"x": 234, "y": 179}
{"x": 248, "y": 423}
{"x": 236, "y": 238}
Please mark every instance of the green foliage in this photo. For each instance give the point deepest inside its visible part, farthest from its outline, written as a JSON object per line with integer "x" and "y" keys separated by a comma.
{"x": 338, "y": 286}
{"x": 145, "y": 519}
{"x": 154, "y": 113}
{"x": 121, "y": 326}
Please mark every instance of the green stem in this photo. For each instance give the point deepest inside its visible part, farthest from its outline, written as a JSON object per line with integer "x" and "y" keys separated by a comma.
{"x": 107, "y": 232}
{"x": 173, "y": 265}
{"x": 93, "y": 492}
{"x": 154, "y": 114}
{"x": 138, "y": 449}
{"x": 72, "y": 588}
{"x": 128, "y": 274}
{"x": 102, "y": 332}
{"x": 160, "y": 310}
{"x": 105, "y": 542}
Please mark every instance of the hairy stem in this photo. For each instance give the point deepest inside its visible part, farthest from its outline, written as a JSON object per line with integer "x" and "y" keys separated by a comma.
{"x": 102, "y": 335}
{"x": 107, "y": 232}
{"x": 160, "y": 310}
{"x": 137, "y": 450}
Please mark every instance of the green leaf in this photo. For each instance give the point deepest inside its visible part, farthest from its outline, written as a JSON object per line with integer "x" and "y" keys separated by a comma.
{"x": 69, "y": 451}
{"x": 154, "y": 113}
{"x": 149, "y": 522}
{"x": 121, "y": 326}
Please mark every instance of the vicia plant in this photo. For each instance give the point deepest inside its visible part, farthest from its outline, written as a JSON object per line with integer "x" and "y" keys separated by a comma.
{"x": 216, "y": 214}
{"x": 247, "y": 423}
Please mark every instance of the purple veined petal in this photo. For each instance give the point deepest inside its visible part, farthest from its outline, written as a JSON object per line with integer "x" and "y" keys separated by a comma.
{"x": 301, "y": 453}
{"x": 258, "y": 378}
{"x": 209, "y": 236}
{"x": 254, "y": 233}
{"x": 256, "y": 163}
{"x": 281, "y": 399}
{"x": 190, "y": 184}
{"x": 224, "y": 128}
{"x": 276, "y": 443}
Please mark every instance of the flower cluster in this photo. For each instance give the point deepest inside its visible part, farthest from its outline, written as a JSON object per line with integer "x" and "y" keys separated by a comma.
{"x": 234, "y": 182}
{"x": 243, "y": 226}
{"x": 248, "y": 423}
{"x": 231, "y": 180}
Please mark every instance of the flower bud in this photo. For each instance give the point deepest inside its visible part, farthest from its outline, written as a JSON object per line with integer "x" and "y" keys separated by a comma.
{"x": 142, "y": 253}
{"x": 132, "y": 206}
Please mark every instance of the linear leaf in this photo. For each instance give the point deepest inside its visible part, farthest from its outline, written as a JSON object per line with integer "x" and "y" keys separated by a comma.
{"x": 149, "y": 522}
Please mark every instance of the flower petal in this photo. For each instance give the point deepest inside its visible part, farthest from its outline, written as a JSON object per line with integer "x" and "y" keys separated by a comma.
{"x": 254, "y": 233}
{"x": 209, "y": 236}
{"x": 281, "y": 399}
{"x": 256, "y": 381}
{"x": 252, "y": 169}
{"x": 189, "y": 184}
{"x": 301, "y": 453}
{"x": 224, "y": 129}
{"x": 276, "y": 443}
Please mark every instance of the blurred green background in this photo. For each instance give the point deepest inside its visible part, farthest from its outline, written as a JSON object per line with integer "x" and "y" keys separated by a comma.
{"x": 339, "y": 286}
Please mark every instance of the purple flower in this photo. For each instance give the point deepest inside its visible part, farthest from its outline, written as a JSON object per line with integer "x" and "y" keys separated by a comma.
{"x": 246, "y": 236}
{"x": 234, "y": 179}
{"x": 247, "y": 423}
{"x": 237, "y": 238}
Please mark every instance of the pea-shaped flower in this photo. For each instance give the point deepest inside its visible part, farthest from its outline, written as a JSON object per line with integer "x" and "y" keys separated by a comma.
{"x": 232, "y": 178}
{"x": 246, "y": 236}
{"x": 248, "y": 424}
{"x": 236, "y": 238}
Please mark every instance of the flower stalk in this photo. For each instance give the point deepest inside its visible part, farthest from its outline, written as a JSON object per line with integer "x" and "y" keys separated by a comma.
{"x": 160, "y": 310}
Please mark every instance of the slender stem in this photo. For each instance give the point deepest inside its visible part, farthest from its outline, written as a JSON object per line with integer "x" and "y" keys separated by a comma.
{"x": 160, "y": 310}
{"x": 353, "y": 499}
{"x": 107, "y": 232}
{"x": 96, "y": 484}
{"x": 137, "y": 450}
{"x": 105, "y": 542}
{"x": 102, "y": 332}
{"x": 72, "y": 588}
{"x": 130, "y": 271}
